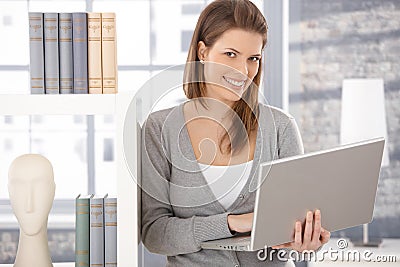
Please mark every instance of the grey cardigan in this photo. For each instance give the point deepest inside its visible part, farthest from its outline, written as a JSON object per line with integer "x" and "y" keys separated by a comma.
{"x": 179, "y": 210}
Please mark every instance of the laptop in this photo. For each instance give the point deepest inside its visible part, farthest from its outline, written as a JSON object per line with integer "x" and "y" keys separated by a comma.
{"x": 341, "y": 182}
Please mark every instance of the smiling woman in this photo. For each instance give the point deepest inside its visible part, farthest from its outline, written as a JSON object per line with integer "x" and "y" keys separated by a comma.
{"x": 235, "y": 60}
{"x": 229, "y": 66}
{"x": 228, "y": 40}
{"x": 199, "y": 158}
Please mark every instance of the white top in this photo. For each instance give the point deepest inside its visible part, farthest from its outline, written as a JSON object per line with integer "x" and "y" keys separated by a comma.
{"x": 226, "y": 182}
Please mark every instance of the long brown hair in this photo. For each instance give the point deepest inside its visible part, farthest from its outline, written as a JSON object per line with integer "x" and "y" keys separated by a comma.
{"x": 214, "y": 20}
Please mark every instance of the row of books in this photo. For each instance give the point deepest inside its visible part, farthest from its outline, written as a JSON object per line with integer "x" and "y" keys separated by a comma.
{"x": 96, "y": 231}
{"x": 73, "y": 53}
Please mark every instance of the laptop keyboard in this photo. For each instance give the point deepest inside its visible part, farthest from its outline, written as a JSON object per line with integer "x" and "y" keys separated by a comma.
{"x": 236, "y": 240}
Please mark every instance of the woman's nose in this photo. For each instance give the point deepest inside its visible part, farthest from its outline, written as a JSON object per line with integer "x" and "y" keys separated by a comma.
{"x": 242, "y": 67}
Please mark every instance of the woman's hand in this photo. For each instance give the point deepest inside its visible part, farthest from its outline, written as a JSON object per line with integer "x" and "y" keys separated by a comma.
{"x": 240, "y": 223}
{"x": 312, "y": 239}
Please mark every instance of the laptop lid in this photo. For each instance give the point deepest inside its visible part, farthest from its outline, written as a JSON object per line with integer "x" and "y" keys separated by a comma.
{"x": 341, "y": 182}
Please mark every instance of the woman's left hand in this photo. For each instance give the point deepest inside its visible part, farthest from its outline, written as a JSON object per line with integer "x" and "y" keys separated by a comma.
{"x": 312, "y": 239}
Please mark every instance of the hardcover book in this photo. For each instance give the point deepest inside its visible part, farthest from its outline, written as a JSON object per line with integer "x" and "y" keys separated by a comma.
{"x": 82, "y": 230}
{"x": 66, "y": 56}
{"x": 94, "y": 53}
{"x": 51, "y": 58}
{"x": 109, "y": 53}
{"x": 97, "y": 231}
{"x": 79, "y": 43}
{"x": 36, "y": 49}
{"x": 110, "y": 231}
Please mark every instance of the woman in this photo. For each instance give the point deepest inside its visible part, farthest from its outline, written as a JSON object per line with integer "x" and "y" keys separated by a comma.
{"x": 200, "y": 159}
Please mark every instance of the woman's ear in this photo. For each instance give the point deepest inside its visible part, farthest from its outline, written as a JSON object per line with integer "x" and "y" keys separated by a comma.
{"x": 201, "y": 50}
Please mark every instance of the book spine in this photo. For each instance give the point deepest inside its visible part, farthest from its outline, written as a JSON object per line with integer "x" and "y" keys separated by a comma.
{"x": 66, "y": 56}
{"x": 94, "y": 53}
{"x": 82, "y": 228}
{"x": 109, "y": 53}
{"x": 79, "y": 43}
{"x": 96, "y": 232}
{"x": 110, "y": 232}
{"x": 51, "y": 58}
{"x": 36, "y": 52}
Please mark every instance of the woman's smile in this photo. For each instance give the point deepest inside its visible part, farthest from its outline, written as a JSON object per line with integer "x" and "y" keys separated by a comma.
{"x": 236, "y": 83}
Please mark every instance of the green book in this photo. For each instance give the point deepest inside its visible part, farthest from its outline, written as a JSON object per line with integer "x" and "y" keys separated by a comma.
{"x": 82, "y": 230}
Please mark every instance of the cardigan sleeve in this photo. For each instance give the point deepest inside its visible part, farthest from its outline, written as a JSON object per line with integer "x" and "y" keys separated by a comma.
{"x": 290, "y": 142}
{"x": 162, "y": 231}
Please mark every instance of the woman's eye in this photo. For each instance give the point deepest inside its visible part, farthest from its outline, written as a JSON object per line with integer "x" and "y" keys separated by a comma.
{"x": 255, "y": 59}
{"x": 230, "y": 54}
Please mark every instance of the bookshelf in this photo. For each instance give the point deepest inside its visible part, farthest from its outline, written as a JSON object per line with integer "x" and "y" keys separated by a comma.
{"x": 72, "y": 104}
{"x": 61, "y": 264}
{"x": 109, "y": 104}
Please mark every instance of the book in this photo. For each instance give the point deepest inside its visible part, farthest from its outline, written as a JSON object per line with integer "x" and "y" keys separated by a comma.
{"x": 79, "y": 44}
{"x": 94, "y": 53}
{"x": 36, "y": 52}
{"x": 82, "y": 230}
{"x": 51, "y": 59}
{"x": 110, "y": 231}
{"x": 96, "y": 250}
{"x": 66, "y": 56}
{"x": 109, "y": 53}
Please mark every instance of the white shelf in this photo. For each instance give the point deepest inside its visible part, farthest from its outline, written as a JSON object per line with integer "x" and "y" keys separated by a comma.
{"x": 58, "y": 264}
{"x": 71, "y": 104}
{"x": 87, "y": 104}
{"x": 128, "y": 193}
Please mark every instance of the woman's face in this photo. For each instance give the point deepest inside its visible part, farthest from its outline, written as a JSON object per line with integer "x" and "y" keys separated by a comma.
{"x": 231, "y": 64}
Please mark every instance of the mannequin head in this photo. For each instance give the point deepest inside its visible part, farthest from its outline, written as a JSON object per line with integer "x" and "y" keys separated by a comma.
{"x": 31, "y": 189}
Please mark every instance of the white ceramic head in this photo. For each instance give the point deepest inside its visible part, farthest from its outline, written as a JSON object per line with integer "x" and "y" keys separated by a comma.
{"x": 31, "y": 189}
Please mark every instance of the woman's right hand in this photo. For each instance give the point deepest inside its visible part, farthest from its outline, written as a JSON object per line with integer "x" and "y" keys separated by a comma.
{"x": 241, "y": 223}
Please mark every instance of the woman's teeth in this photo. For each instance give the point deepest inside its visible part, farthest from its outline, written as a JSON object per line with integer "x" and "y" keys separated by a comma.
{"x": 233, "y": 82}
